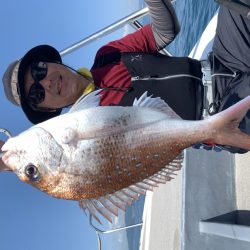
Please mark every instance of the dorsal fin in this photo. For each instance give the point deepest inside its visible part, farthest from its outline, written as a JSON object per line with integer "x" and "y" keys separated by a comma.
{"x": 155, "y": 103}
{"x": 87, "y": 101}
{"x": 93, "y": 100}
{"x": 108, "y": 205}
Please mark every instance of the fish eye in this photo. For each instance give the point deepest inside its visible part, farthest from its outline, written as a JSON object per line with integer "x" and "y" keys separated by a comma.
{"x": 32, "y": 172}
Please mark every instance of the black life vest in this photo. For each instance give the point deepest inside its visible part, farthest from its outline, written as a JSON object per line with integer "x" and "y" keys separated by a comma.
{"x": 177, "y": 80}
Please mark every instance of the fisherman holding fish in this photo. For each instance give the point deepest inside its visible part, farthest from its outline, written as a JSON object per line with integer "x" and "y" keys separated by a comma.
{"x": 42, "y": 85}
{"x": 105, "y": 156}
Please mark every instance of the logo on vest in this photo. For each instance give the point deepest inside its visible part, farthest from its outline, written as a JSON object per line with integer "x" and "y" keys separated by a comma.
{"x": 135, "y": 58}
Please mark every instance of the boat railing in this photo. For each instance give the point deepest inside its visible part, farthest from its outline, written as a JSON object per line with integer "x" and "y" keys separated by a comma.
{"x": 131, "y": 19}
{"x": 99, "y": 231}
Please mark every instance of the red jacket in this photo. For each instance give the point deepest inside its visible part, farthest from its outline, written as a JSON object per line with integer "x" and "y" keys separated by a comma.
{"x": 117, "y": 75}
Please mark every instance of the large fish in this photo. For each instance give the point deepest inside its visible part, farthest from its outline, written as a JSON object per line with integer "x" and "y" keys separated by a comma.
{"x": 104, "y": 157}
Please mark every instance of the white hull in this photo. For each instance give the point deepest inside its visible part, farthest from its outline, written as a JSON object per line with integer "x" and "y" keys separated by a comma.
{"x": 162, "y": 215}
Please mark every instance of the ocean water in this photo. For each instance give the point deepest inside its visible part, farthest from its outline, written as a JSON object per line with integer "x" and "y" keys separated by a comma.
{"x": 193, "y": 15}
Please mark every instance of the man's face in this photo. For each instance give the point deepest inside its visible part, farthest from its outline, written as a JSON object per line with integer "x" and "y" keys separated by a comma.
{"x": 62, "y": 86}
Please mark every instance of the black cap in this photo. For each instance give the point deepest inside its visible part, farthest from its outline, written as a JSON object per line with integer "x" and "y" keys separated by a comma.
{"x": 39, "y": 53}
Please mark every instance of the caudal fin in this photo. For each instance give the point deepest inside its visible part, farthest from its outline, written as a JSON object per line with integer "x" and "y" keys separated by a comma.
{"x": 224, "y": 126}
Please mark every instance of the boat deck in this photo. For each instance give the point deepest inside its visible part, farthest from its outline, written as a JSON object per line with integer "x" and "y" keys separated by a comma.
{"x": 210, "y": 185}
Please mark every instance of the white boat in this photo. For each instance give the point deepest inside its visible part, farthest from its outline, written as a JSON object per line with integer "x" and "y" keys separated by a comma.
{"x": 162, "y": 216}
{"x": 207, "y": 206}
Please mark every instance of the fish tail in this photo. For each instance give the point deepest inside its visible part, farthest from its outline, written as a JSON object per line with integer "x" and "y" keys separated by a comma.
{"x": 224, "y": 129}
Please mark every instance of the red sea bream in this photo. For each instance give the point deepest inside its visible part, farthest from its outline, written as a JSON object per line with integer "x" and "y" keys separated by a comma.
{"x": 104, "y": 157}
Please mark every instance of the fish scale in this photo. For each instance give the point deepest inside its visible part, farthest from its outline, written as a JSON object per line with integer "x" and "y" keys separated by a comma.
{"x": 110, "y": 150}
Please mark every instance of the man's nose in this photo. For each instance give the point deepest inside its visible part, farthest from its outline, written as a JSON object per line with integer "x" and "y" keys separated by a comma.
{"x": 46, "y": 83}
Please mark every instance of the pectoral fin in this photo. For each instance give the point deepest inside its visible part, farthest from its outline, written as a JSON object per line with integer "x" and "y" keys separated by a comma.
{"x": 88, "y": 101}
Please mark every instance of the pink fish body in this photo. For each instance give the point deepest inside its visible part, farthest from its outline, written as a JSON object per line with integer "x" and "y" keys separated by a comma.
{"x": 105, "y": 157}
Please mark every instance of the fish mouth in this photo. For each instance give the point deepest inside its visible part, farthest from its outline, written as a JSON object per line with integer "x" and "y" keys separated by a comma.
{"x": 3, "y": 166}
{"x": 6, "y": 155}
{"x": 5, "y": 169}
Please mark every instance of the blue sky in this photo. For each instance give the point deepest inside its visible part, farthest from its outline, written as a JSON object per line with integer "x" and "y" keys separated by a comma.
{"x": 29, "y": 219}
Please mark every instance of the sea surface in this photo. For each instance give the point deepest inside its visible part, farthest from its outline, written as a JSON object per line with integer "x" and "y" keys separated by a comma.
{"x": 193, "y": 15}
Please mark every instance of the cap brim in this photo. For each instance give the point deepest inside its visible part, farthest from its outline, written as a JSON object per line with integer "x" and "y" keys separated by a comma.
{"x": 39, "y": 53}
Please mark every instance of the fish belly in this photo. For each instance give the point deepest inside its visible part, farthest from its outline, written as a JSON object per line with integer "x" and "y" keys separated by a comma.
{"x": 112, "y": 163}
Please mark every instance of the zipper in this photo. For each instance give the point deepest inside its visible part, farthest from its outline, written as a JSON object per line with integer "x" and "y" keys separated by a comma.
{"x": 136, "y": 78}
{"x": 224, "y": 74}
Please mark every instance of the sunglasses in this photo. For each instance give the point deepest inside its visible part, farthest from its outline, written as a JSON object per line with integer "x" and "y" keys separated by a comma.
{"x": 36, "y": 93}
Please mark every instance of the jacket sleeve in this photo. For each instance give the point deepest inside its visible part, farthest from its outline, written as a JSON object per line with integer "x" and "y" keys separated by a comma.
{"x": 152, "y": 37}
{"x": 165, "y": 25}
